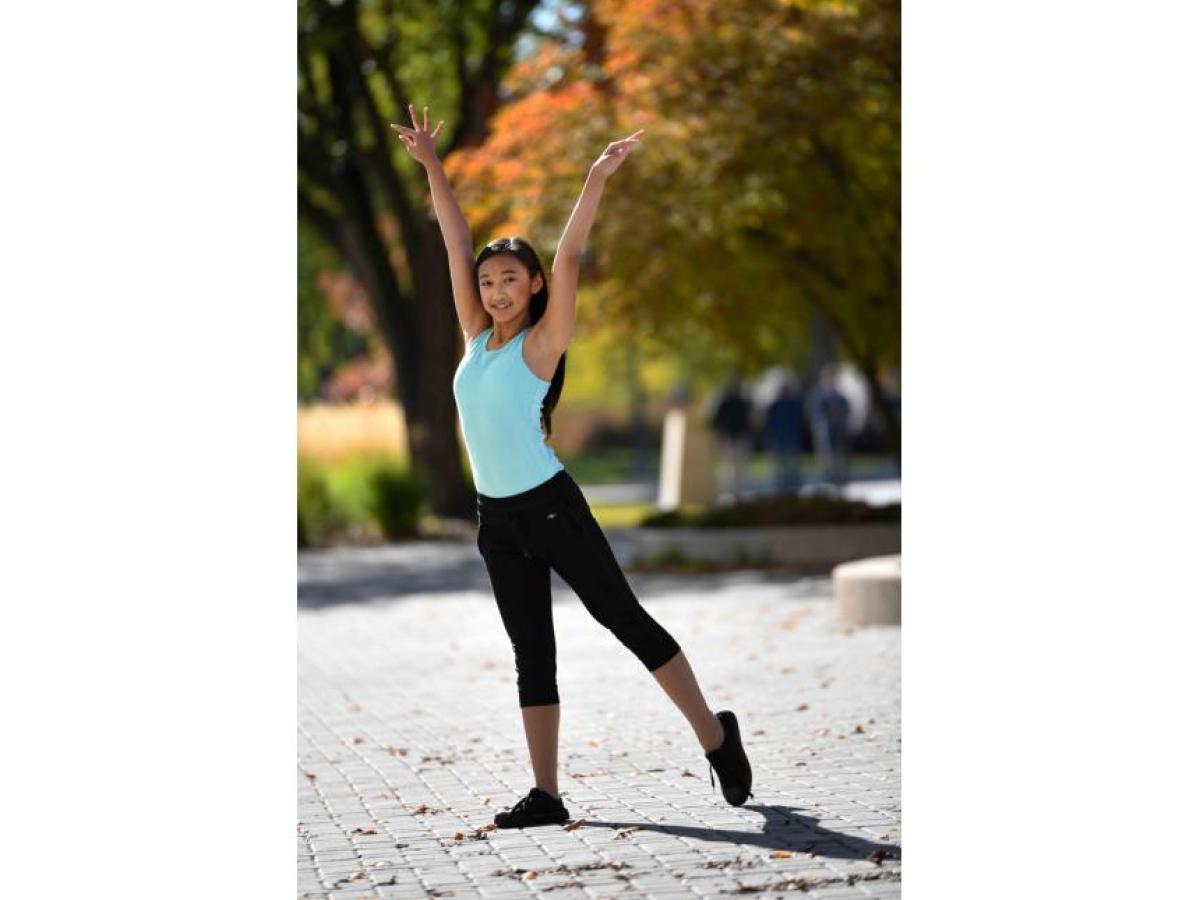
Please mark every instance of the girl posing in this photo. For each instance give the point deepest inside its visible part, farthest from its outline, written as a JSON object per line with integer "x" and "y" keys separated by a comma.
{"x": 532, "y": 515}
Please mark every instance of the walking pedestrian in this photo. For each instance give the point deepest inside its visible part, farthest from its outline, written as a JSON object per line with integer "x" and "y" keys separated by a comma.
{"x": 732, "y": 428}
{"x": 829, "y": 412}
{"x": 533, "y": 516}
{"x": 781, "y": 432}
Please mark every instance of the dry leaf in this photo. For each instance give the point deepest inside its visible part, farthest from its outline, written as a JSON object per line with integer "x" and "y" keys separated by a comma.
{"x": 458, "y": 835}
{"x": 782, "y": 854}
{"x": 358, "y": 739}
{"x": 398, "y": 751}
{"x": 310, "y": 776}
{"x": 802, "y": 707}
{"x": 571, "y": 826}
{"x": 625, "y": 832}
{"x": 858, "y": 729}
{"x": 364, "y": 831}
{"x": 529, "y": 876}
{"x": 354, "y": 707}
{"x": 787, "y": 670}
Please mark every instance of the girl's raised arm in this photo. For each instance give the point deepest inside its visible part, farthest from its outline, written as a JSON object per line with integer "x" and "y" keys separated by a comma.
{"x": 558, "y": 321}
{"x": 456, "y": 233}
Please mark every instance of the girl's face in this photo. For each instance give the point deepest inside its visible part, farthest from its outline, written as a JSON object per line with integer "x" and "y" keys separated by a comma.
{"x": 506, "y": 288}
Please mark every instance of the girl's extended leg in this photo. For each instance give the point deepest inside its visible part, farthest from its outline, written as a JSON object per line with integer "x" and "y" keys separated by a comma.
{"x": 581, "y": 554}
{"x": 677, "y": 679}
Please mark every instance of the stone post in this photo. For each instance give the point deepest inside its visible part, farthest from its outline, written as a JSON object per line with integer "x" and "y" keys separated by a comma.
{"x": 686, "y": 475}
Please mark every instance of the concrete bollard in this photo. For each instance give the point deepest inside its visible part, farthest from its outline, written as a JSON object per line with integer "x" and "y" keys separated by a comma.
{"x": 686, "y": 472}
{"x": 867, "y": 591}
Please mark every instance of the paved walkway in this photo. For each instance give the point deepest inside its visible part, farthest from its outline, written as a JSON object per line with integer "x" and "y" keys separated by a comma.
{"x": 410, "y": 740}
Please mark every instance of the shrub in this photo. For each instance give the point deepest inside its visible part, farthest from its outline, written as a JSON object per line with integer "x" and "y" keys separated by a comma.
{"x": 396, "y": 500}
{"x": 357, "y": 500}
{"x": 319, "y": 517}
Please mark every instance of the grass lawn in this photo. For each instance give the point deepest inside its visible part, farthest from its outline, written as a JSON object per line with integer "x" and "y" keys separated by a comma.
{"x": 621, "y": 515}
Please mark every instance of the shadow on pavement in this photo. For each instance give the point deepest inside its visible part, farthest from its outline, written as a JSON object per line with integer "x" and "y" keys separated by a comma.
{"x": 784, "y": 829}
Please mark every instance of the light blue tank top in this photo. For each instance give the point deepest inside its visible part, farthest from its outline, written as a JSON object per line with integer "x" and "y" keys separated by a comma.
{"x": 499, "y": 402}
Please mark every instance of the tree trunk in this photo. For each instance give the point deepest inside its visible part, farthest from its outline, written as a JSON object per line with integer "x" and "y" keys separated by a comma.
{"x": 424, "y": 340}
{"x": 430, "y": 355}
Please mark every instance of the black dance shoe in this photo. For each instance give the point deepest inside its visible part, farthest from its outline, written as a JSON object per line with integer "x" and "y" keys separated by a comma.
{"x": 733, "y": 768}
{"x": 535, "y": 808}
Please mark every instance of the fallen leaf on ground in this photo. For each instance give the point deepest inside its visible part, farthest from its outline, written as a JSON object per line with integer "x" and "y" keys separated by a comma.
{"x": 364, "y": 831}
{"x": 397, "y": 751}
{"x": 458, "y": 835}
{"x": 782, "y": 854}
{"x": 858, "y": 729}
{"x": 802, "y": 707}
{"x": 354, "y": 707}
{"x": 310, "y": 776}
{"x": 529, "y": 876}
{"x": 625, "y": 832}
{"x": 571, "y": 826}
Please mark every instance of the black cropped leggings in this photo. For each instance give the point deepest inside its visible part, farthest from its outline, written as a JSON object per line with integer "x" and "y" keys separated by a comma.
{"x": 524, "y": 536}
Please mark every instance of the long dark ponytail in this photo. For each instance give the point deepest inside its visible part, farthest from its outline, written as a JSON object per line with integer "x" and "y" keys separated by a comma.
{"x": 521, "y": 249}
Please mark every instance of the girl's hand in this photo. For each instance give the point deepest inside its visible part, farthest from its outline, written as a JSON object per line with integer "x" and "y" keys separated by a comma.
{"x": 418, "y": 140}
{"x": 614, "y": 154}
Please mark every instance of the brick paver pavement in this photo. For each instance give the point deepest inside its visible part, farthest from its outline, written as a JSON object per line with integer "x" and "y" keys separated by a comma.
{"x": 410, "y": 740}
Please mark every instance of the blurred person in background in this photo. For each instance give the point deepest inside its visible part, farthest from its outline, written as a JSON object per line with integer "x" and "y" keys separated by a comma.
{"x": 533, "y": 516}
{"x": 781, "y": 433}
{"x": 730, "y": 422}
{"x": 829, "y": 418}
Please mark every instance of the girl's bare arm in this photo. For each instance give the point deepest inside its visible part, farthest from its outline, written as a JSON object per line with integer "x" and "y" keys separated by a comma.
{"x": 559, "y": 319}
{"x": 456, "y": 233}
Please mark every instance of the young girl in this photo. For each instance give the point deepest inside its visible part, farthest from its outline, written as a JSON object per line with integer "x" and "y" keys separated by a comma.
{"x": 532, "y": 515}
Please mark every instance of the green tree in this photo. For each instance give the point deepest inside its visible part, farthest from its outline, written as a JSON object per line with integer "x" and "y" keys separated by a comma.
{"x": 324, "y": 342}
{"x": 766, "y": 189}
{"x": 361, "y": 64}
